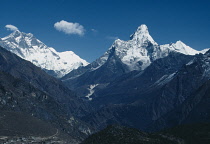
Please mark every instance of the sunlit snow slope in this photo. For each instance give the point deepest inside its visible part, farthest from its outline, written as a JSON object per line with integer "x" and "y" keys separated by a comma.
{"x": 30, "y": 48}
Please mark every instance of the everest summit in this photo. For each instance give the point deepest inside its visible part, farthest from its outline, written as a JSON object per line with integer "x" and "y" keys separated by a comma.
{"x": 30, "y": 48}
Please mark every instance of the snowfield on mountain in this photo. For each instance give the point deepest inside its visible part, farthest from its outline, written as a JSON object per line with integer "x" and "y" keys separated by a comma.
{"x": 30, "y": 48}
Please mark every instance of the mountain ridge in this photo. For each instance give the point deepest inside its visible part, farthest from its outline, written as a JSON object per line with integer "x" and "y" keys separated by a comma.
{"x": 122, "y": 57}
{"x": 136, "y": 82}
{"x": 133, "y": 51}
{"x": 28, "y": 47}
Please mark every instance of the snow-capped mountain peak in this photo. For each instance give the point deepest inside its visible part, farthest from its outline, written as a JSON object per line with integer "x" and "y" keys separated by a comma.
{"x": 181, "y": 47}
{"x": 142, "y": 35}
{"x": 17, "y": 35}
{"x": 19, "y": 39}
{"x": 137, "y": 52}
{"x": 28, "y": 47}
{"x": 141, "y": 50}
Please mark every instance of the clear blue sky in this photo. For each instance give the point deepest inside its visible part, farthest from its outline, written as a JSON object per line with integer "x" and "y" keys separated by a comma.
{"x": 167, "y": 20}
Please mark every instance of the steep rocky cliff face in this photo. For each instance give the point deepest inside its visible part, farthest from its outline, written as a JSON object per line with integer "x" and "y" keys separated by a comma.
{"x": 193, "y": 110}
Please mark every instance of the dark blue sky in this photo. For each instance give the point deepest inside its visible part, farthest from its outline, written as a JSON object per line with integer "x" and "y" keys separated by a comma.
{"x": 167, "y": 20}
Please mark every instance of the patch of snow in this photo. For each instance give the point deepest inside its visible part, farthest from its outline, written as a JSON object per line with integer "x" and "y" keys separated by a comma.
{"x": 204, "y": 50}
{"x": 91, "y": 91}
{"x": 164, "y": 79}
{"x": 190, "y": 62}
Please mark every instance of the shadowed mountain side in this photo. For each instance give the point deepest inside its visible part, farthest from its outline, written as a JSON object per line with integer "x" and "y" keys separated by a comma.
{"x": 182, "y": 134}
{"x": 19, "y": 96}
{"x": 26, "y": 88}
{"x": 195, "y": 109}
{"x": 20, "y": 124}
{"x": 123, "y": 135}
{"x": 129, "y": 87}
{"x": 28, "y": 72}
{"x": 17, "y": 127}
{"x": 135, "y": 99}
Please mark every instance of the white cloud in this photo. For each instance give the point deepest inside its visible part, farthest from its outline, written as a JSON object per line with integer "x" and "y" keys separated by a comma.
{"x": 112, "y": 37}
{"x": 69, "y": 27}
{"x": 94, "y": 30}
{"x": 11, "y": 27}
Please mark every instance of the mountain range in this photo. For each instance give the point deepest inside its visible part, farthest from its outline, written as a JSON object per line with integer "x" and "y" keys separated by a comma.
{"x": 136, "y": 83}
{"x": 28, "y": 47}
{"x": 139, "y": 82}
{"x": 123, "y": 57}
